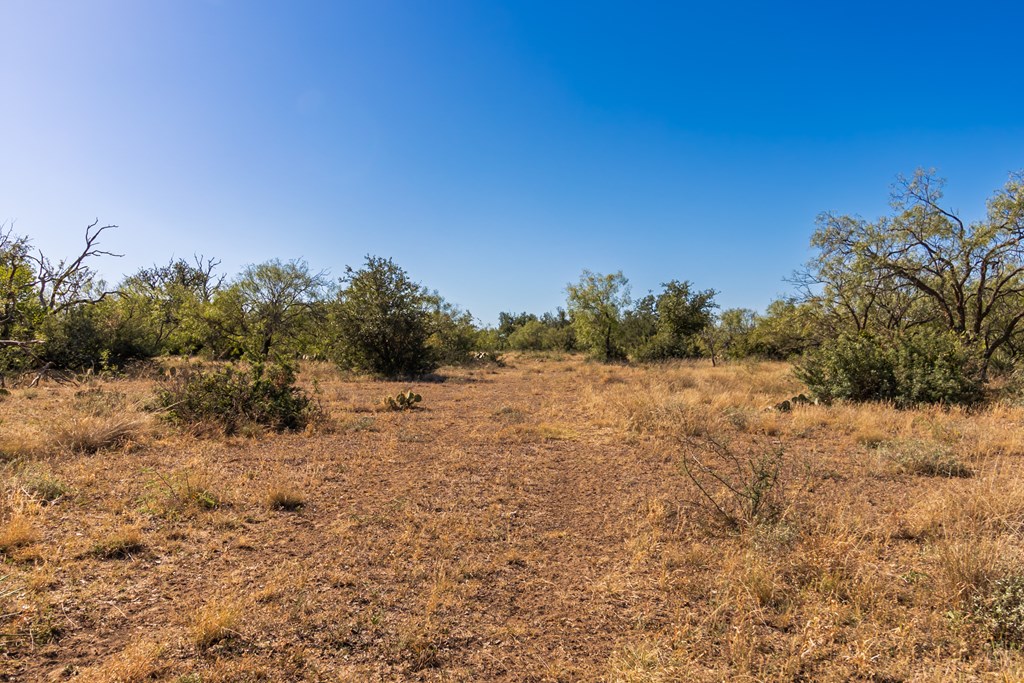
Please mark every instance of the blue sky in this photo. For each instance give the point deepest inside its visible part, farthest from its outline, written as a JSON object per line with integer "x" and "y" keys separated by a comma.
{"x": 496, "y": 149}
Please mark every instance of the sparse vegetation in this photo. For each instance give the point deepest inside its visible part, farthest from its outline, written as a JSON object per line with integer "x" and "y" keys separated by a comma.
{"x": 737, "y": 489}
{"x": 398, "y": 543}
{"x": 1001, "y": 610}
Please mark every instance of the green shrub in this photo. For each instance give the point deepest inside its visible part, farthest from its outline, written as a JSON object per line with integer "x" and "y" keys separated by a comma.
{"x": 936, "y": 368}
{"x": 1001, "y": 609}
{"x": 234, "y": 399}
{"x": 854, "y": 368}
{"x": 381, "y": 322}
{"x": 925, "y": 367}
{"x": 529, "y": 337}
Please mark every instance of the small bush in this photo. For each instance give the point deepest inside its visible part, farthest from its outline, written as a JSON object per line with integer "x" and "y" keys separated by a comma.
{"x": 1001, "y": 609}
{"x": 737, "y": 489}
{"x": 913, "y": 369}
{"x": 235, "y": 400}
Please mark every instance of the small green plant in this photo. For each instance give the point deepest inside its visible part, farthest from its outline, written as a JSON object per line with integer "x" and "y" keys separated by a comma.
{"x": 403, "y": 401}
{"x": 236, "y": 400}
{"x": 1001, "y": 609}
{"x": 43, "y": 486}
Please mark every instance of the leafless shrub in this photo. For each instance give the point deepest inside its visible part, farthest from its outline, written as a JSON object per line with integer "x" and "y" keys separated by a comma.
{"x": 738, "y": 488}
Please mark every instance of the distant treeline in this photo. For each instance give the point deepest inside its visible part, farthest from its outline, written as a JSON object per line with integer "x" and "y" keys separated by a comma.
{"x": 918, "y": 306}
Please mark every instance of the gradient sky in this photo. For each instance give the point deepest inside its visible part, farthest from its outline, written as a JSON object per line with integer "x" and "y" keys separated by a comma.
{"x": 495, "y": 149}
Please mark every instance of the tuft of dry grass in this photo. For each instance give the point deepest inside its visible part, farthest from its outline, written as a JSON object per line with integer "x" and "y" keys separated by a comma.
{"x": 968, "y": 566}
{"x": 94, "y": 433}
{"x": 139, "y": 661}
{"x": 214, "y": 622}
{"x": 285, "y": 498}
{"x": 17, "y": 532}
{"x": 121, "y": 543}
{"x": 647, "y": 661}
{"x": 925, "y": 459}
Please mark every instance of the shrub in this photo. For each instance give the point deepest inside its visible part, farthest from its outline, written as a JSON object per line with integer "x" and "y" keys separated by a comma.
{"x": 916, "y": 368}
{"x": 529, "y": 337}
{"x": 1001, "y": 609}
{"x": 234, "y": 399}
{"x": 381, "y": 322}
{"x": 854, "y": 368}
{"x": 936, "y": 368}
{"x": 737, "y": 489}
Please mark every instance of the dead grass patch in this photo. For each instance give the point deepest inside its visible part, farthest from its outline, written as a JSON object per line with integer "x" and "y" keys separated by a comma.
{"x": 214, "y": 622}
{"x": 285, "y": 498}
{"x": 139, "y": 661}
{"x": 119, "y": 543}
{"x": 17, "y": 531}
{"x": 967, "y": 566}
{"x": 93, "y": 433}
{"x": 533, "y": 524}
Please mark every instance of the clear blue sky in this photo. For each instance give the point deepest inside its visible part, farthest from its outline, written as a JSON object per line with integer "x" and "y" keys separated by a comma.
{"x": 496, "y": 149}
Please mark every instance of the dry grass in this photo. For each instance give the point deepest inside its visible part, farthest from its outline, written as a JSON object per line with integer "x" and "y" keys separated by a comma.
{"x": 214, "y": 622}
{"x": 139, "y": 661}
{"x": 285, "y": 498}
{"x": 119, "y": 543}
{"x": 531, "y": 523}
{"x": 925, "y": 459}
{"x": 91, "y": 434}
{"x": 16, "y": 532}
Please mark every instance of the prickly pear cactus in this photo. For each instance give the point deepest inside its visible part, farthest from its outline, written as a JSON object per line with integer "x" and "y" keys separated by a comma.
{"x": 403, "y": 401}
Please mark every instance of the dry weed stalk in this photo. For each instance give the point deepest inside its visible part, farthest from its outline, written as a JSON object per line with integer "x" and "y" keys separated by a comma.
{"x": 739, "y": 489}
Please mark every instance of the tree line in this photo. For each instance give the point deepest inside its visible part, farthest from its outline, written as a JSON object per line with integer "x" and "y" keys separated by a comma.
{"x": 916, "y": 306}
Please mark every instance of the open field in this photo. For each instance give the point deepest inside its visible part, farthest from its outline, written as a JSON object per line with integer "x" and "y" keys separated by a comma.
{"x": 533, "y": 522}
